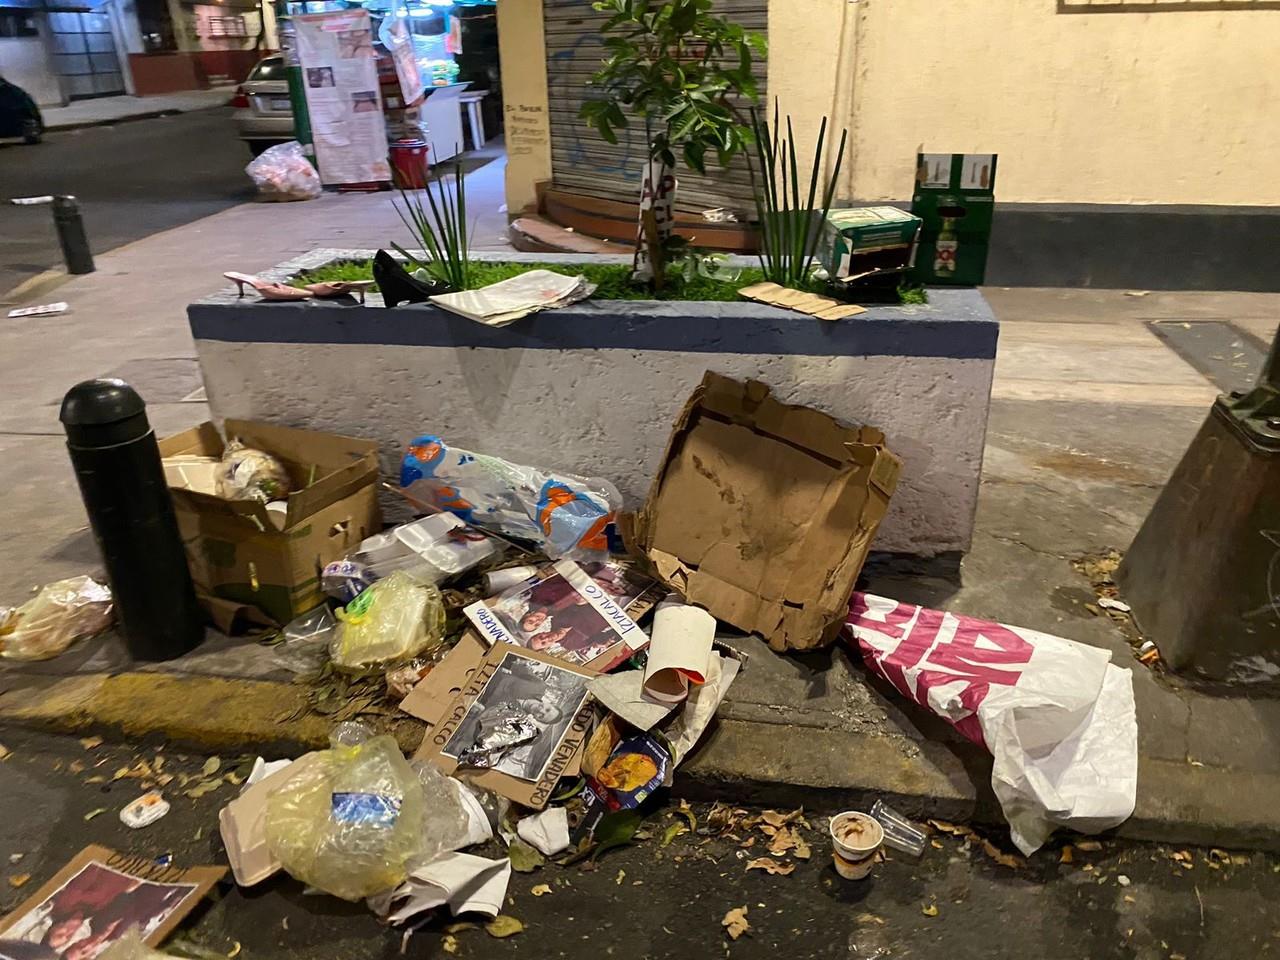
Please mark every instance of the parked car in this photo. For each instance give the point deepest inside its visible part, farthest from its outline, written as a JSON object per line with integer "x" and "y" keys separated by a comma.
{"x": 263, "y": 112}
{"x": 19, "y": 115}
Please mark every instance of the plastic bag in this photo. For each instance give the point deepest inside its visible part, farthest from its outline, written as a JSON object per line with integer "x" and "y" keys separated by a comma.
{"x": 564, "y": 514}
{"x": 395, "y": 619}
{"x": 306, "y": 641}
{"x": 48, "y": 623}
{"x": 446, "y": 825}
{"x": 283, "y": 172}
{"x": 1057, "y": 716}
{"x": 344, "y": 580}
{"x": 349, "y": 822}
{"x": 249, "y": 474}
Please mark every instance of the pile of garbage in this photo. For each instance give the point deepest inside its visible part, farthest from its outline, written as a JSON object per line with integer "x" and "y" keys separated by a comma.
{"x": 566, "y": 657}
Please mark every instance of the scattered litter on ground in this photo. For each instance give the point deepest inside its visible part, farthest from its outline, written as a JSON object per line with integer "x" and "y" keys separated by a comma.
{"x": 503, "y": 926}
{"x": 541, "y": 889}
{"x": 144, "y": 811}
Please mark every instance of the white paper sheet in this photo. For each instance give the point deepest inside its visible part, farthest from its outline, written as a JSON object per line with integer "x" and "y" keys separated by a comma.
{"x": 623, "y": 693}
{"x": 547, "y": 832}
{"x": 468, "y": 884}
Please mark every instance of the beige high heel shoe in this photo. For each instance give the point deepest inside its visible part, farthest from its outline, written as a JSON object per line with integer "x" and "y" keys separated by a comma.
{"x": 340, "y": 288}
{"x": 267, "y": 289}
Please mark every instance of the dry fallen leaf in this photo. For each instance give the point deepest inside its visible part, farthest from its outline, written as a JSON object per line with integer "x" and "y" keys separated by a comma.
{"x": 95, "y": 813}
{"x": 449, "y": 943}
{"x": 929, "y": 909}
{"x": 234, "y": 951}
{"x": 91, "y": 743}
{"x": 802, "y": 851}
{"x": 673, "y": 830}
{"x": 785, "y": 839}
{"x": 776, "y": 818}
{"x": 870, "y": 918}
{"x": 98, "y": 779}
{"x": 503, "y": 926}
{"x": 541, "y": 890}
{"x": 1181, "y": 855}
{"x": 1088, "y": 846}
{"x": 622, "y": 875}
{"x": 203, "y": 787}
{"x": 460, "y": 926}
{"x": 211, "y": 766}
{"x": 735, "y": 922}
{"x": 19, "y": 879}
{"x": 772, "y": 866}
{"x": 76, "y": 766}
{"x": 1066, "y": 855}
{"x": 1004, "y": 859}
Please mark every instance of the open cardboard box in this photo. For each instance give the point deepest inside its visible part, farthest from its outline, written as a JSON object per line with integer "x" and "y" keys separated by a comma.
{"x": 234, "y": 548}
{"x": 763, "y": 513}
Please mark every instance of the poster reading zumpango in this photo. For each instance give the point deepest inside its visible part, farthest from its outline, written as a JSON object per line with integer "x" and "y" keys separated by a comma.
{"x": 340, "y": 76}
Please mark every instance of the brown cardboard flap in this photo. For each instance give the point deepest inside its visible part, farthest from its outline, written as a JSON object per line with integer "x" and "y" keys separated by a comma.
{"x": 763, "y": 512}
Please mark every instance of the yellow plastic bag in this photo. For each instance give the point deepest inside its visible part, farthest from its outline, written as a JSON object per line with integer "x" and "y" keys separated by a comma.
{"x": 52, "y": 620}
{"x": 396, "y": 618}
{"x": 347, "y": 823}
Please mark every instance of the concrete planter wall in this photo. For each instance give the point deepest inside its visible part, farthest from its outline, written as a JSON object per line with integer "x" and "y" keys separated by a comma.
{"x": 593, "y": 388}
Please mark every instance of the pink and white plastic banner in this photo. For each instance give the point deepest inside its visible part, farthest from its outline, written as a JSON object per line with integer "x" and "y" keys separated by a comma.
{"x": 1057, "y": 716}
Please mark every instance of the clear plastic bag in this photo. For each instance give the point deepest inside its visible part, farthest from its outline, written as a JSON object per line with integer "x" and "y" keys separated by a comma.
{"x": 283, "y": 172}
{"x": 48, "y": 623}
{"x": 249, "y": 474}
{"x": 446, "y": 826}
{"x": 349, "y": 823}
{"x": 564, "y": 514}
{"x": 306, "y": 641}
{"x": 395, "y": 619}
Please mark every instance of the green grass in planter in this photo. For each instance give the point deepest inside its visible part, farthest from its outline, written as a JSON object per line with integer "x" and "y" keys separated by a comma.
{"x": 612, "y": 280}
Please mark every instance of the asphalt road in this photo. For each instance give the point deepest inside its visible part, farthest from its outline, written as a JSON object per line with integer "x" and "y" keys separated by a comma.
{"x": 1124, "y": 900}
{"x": 132, "y": 179}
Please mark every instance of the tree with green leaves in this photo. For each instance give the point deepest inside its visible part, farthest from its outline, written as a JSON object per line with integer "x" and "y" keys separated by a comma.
{"x": 682, "y": 70}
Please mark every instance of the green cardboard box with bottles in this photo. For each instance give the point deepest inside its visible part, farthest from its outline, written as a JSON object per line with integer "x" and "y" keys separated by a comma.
{"x": 955, "y": 198}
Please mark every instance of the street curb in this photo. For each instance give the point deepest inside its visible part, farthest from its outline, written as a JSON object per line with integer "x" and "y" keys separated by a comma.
{"x": 129, "y": 118}
{"x": 740, "y": 761}
{"x": 44, "y": 282}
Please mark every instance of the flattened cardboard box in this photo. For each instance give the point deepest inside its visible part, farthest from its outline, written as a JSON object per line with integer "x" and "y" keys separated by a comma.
{"x": 763, "y": 512}
{"x": 567, "y": 756}
{"x": 235, "y": 551}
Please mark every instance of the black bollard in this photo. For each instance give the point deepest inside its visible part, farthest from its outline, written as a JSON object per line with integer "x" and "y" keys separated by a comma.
{"x": 117, "y": 463}
{"x": 71, "y": 235}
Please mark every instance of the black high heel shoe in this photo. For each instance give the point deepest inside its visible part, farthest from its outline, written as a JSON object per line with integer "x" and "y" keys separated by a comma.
{"x": 398, "y": 286}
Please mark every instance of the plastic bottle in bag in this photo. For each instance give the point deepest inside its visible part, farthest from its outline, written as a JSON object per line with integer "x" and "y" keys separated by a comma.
{"x": 349, "y": 823}
{"x": 395, "y": 619}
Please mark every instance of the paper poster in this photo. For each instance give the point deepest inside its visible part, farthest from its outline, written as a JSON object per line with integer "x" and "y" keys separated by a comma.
{"x": 340, "y": 77}
{"x": 657, "y": 197}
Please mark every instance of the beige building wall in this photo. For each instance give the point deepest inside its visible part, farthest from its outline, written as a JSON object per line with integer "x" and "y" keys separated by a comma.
{"x": 522, "y": 50}
{"x": 1167, "y": 106}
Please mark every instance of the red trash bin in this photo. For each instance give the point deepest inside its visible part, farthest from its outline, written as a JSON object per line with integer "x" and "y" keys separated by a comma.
{"x": 409, "y": 164}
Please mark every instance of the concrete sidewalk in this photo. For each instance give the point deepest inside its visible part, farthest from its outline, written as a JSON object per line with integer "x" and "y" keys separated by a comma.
{"x": 1090, "y": 413}
{"x": 104, "y": 110}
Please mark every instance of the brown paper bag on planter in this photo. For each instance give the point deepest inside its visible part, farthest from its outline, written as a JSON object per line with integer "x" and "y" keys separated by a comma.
{"x": 234, "y": 549}
{"x": 763, "y": 512}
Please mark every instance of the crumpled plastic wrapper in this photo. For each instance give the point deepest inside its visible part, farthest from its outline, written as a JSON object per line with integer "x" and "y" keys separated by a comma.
{"x": 396, "y": 619}
{"x": 349, "y": 823}
{"x": 250, "y": 474}
{"x": 402, "y": 679}
{"x": 493, "y": 745}
{"x": 283, "y": 172}
{"x": 1057, "y": 716}
{"x": 48, "y": 623}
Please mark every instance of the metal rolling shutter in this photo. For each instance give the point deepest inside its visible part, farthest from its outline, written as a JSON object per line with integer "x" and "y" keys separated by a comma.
{"x": 581, "y": 161}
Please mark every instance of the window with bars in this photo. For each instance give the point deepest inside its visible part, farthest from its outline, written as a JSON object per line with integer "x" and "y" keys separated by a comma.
{"x": 227, "y": 27}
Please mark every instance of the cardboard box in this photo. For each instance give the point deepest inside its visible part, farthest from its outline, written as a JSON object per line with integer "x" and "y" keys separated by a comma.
{"x": 763, "y": 513}
{"x": 955, "y": 197}
{"x": 234, "y": 549}
{"x": 862, "y": 242}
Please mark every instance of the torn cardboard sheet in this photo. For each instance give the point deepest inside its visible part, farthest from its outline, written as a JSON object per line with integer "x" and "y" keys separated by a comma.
{"x": 547, "y": 832}
{"x": 102, "y": 888}
{"x": 785, "y": 572}
{"x": 1057, "y": 716}
{"x": 680, "y": 650}
{"x": 577, "y": 613}
{"x": 622, "y": 693}
{"x": 513, "y": 682}
{"x": 467, "y": 883}
{"x": 815, "y": 305}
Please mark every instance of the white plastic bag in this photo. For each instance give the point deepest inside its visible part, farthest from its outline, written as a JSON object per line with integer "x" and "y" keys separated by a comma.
{"x": 283, "y": 172}
{"x": 395, "y": 619}
{"x": 48, "y": 623}
{"x": 564, "y": 514}
{"x": 1056, "y": 715}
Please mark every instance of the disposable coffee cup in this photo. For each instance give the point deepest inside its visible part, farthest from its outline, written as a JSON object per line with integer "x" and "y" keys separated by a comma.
{"x": 855, "y": 838}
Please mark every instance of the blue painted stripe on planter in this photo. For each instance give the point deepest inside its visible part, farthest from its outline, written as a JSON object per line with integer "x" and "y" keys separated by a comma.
{"x": 960, "y": 327}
